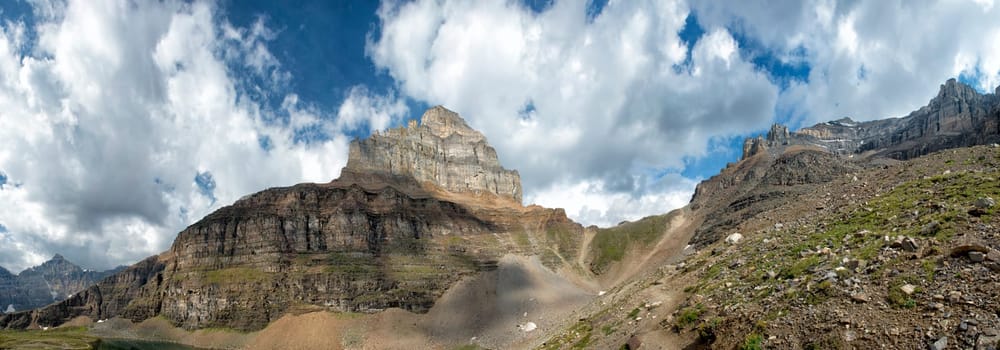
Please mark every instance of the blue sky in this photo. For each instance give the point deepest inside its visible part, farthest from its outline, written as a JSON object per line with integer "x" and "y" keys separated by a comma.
{"x": 322, "y": 45}
{"x": 125, "y": 122}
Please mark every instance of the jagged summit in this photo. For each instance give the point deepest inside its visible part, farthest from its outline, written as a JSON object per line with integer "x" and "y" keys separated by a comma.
{"x": 957, "y": 116}
{"x": 441, "y": 153}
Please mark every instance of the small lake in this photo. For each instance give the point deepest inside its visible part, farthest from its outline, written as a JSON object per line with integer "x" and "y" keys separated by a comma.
{"x": 129, "y": 344}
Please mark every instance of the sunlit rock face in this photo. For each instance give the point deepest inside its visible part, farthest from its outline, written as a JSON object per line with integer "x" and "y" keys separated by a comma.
{"x": 443, "y": 151}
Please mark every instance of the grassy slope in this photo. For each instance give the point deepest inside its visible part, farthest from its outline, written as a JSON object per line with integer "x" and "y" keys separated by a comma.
{"x": 60, "y": 338}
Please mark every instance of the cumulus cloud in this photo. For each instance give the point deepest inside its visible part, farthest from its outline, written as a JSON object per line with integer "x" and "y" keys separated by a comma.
{"x": 578, "y": 104}
{"x": 869, "y": 59}
{"x": 123, "y": 122}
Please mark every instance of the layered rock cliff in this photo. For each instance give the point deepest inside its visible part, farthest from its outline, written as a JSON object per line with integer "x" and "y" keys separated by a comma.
{"x": 442, "y": 150}
{"x": 776, "y": 165}
{"x": 405, "y": 221}
{"x": 958, "y": 116}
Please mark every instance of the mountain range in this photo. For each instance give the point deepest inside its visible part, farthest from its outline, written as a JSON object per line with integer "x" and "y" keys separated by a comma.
{"x": 842, "y": 234}
{"x": 52, "y": 281}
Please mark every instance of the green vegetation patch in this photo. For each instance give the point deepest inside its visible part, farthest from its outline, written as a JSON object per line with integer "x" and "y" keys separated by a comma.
{"x": 236, "y": 275}
{"x": 58, "y": 338}
{"x": 576, "y": 337}
{"x": 753, "y": 341}
{"x": 689, "y": 315}
{"x": 610, "y": 244}
{"x": 351, "y": 263}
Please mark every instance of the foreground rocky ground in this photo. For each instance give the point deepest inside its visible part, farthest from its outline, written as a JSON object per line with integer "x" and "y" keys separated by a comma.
{"x": 895, "y": 255}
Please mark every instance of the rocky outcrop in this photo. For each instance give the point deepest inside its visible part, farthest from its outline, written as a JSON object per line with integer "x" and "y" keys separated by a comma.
{"x": 443, "y": 151}
{"x": 781, "y": 164}
{"x": 958, "y": 116}
{"x": 49, "y": 282}
{"x": 398, "y": 228}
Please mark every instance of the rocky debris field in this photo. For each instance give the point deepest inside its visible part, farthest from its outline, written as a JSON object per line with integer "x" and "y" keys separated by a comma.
{"x": 897, "y": 256}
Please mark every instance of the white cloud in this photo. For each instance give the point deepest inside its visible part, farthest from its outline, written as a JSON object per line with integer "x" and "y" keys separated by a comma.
{"x": 108, "y": 119}
{"x": 109, "y": 109}
{"x": 589, "y": 201}
{"x": 869, "y": 59}
{"x": 609, "y": 98}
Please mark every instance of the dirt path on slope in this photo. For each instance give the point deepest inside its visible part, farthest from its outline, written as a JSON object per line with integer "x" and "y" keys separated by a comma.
{"x": 581, "y": 257}
{"x": 670, "y": 247}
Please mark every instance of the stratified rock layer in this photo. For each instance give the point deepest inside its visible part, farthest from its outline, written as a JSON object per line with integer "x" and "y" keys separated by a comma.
{"x": 957, "y": 117}
{"x": 396, "y": 230}
{"x": 441, "y": 151}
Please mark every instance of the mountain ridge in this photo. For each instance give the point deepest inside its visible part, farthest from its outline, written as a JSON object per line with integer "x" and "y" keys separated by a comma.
{"x": 958, "y": 116}
{"x": 51, "y": 281}
{"x": 399, "y": 231}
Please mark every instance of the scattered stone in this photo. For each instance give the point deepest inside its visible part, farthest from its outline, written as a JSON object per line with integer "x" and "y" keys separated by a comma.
{"x": 909, "y": 244}
{"x": 993, "y": 255}
{"x": 527, "y": 327}
{"x": 989, "y": 339}
{"x": 830, "y": 275}
{"x": 734, "y": 238}
{"x": 993, "y": 266}
{"x": 955, "y": 296}
{"x": 852, "y": 264}
{"x": 940, "y": 344}
{"x": 772, "y": 275}
{"x": 966, "y": 247}
{"x": 908, "y": 289}
{"x": 850, "y": 335}
{"x": 860, "y": 298}
{"x": 977, "y": 212}
{"x": 778, "y": 226}
{"x": 938, "y": 306}
{"x": 930, "y": 229}
{"x": 985, "y": 202}
{"x": 977, "y": 256}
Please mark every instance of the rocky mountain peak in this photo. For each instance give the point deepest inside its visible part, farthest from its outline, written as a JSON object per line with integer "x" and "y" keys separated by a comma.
{"x": 957, "y": 116}
{"x": 443, "y": 122}
{"x": 956, "y": 90}
{"x": 441, "y": 153}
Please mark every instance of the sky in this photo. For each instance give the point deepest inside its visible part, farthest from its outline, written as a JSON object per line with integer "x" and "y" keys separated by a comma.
{"x": 123, "y": 122}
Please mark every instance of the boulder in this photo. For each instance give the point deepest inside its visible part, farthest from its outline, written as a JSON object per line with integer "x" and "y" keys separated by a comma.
{"x": 909, "y": 244}
{"x": 734, "y": 238}
{"x": 985, "y": 202}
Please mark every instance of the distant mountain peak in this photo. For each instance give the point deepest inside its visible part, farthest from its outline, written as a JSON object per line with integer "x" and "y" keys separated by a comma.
{"x": 957, "y": 116}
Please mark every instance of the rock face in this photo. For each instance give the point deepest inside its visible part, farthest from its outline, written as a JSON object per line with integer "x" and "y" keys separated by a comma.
{"x": 781, "y": 163}
{"x": 49, "y": 282}
{"x": 404, "y": 222}
{"x": 957, "y": 117}
{"x": 442, "y": 150}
